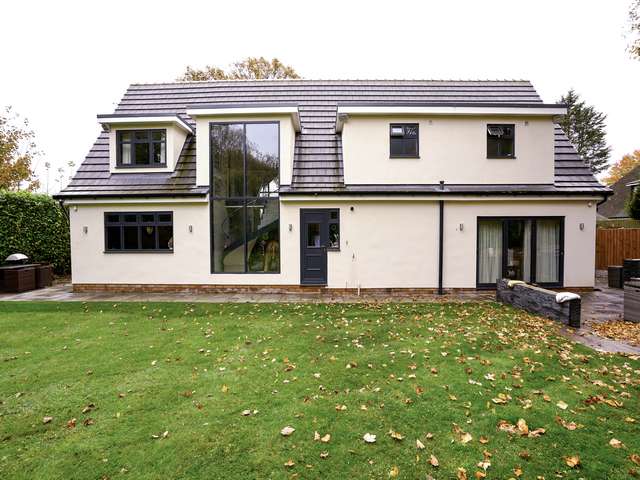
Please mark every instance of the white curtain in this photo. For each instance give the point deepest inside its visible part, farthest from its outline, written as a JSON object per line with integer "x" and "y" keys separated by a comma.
{"x": 489, "y": 251}
{"x": 548, "y": 251}
{"x": 526, "y": 252}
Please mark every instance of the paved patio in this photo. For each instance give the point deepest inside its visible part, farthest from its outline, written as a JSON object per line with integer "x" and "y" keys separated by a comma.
{"x": 603, "y": 304}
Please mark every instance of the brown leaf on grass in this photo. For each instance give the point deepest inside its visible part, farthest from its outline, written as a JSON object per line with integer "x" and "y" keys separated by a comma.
{"x": 396, "y": 435}
{"x": 524, "y": 455}
{"x": 341, "y": 408}
{"x": 517, "y": 471}
{"x": 562, "y": 405}
{"x": 289, "y": 463}
{"x": 324, "y": 454}
{"x": 434, "y": 461}
{"x": 572, "y": 461}
{"x": 615, "y": 443}
{"x": 616, "y": 330}
{"x": 224, "y": 389}
{"x": 419, "y": 445}
{"x": 463, "y": 437}
{"x": 71, "y": 423}
{"x": 88, "y": 408}
{"x": 286, "y": 431}
{"x": 522, "y": 426}
{"x": 326, "y": 438}
{"x": 369, "y": 438}
{"x": 568, "y": 425}
{"x": 480, "y": 474}
{"x": 635, "y": 458}
{"x": 46, "y": 420}
{"x": 393, "y": 473}
{"x": 88, "y": 421}
{"x": 521, "y": 429}
{"x": 461, "y": 473}
{"x": 484, "y": 440}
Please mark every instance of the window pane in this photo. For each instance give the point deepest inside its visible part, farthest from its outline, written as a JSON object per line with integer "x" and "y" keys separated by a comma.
{"x": 227, "y": 147}
{"x": 404, "y": 147}
{"x": 113, "y": 238}
{"x": 164, "y": 217}
{"x": 159, "y": 154}
{"x": 142, "y": 153}
{"x": 548, "y": 251}
{"x": 141, "y": 135}
{"x": 313, "y": 235}
{"x": 519, "y": 250}
{"x": 130, "y": 238}
{"x": 158, "y": 135}
{"x": 125, "y": 154}
{"x": 489, "y": 251}
{"x": 165, "y": 237}
{"x": 263, "y": 235}
{"x": 228, "y": 236}
{"x": 148, "y": 237}
{"x": 262, "y": 159}
{"x": 113, "y": 218}
{"x": 125, "y": 136}
{"x": 147, "y": 217}
{"x": 334, "y": 235}
{"x": 130, "y": 217}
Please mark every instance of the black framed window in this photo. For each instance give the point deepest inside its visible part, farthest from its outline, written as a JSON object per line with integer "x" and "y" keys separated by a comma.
{"x": 138, "y": 231}
{"x": 245, "y": 208}
{"x": 530, "y": 249}
{"x": 403, "y": 140}
{"x": 501, "y": 140}
{"x": 334, "y": 229}
{"x": 141, "y": 148}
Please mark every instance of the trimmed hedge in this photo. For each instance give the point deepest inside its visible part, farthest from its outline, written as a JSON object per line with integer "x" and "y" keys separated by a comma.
{"x": 36, "y": 225}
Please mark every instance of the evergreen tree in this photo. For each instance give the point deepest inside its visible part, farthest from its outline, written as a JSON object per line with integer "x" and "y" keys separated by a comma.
{"x": 586, "y": 129}
{"x": 633, "y": 205}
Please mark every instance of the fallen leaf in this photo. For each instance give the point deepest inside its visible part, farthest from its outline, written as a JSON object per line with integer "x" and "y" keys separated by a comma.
{"x": 393, "y": 473}
{"x": 369, "y": 438}
{"x": 635, "y": 458}
{"x": 46, "y": 420}
{"x": 341, "y": 408}
{"x": 324, "y": 454}
{"x": 224, "y": 389}
{"x": 289, "y": 463}
{"x": 573, "y": 461}
{"x": 71, "y": 423}
{"x": 615, "y": 443}
{"x": 396, "y": 435}
{"x": 567, "y": 425}
{"x": 419, "y": 445}
{"x": 246, "y": 413}
{"x": 326, "y": 438}
{"x": 434, "y": 461}
{"x": 562, "y": 405}
{"x": 286, "y": 431}
{"x": 461, "y": 474}
{"x": 484, "y": 440}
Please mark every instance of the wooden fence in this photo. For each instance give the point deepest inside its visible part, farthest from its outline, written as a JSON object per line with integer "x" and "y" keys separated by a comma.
{"x": 615, "y": 244}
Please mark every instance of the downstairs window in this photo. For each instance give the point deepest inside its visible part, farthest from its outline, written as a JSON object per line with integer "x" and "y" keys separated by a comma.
{"x": 138, "y": 232}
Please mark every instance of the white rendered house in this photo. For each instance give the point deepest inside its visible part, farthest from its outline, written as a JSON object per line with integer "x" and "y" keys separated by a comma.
{"x": 344, "y": 184}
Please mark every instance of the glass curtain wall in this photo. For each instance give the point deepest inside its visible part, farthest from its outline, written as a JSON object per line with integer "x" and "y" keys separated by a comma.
{"x": 245, "y": 166}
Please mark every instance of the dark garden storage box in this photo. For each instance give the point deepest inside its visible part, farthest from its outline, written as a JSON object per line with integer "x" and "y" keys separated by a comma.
{"x": 632, "y": 300}
{"x": 44, "y": 276}
{"x": 19, "y": 279}
{"x": 631, "y": 268}
{"x": 615, "y": 276}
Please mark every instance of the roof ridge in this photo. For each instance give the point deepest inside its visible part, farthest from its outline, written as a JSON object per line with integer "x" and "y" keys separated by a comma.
{"x": 308, "y": 80}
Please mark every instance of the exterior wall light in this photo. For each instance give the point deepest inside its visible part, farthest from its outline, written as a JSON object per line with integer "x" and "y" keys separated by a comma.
{"x": 290, "y": 227}
{"x": 461, "y": 226}
{"x": 582, "y": 226}
{"x": 85, "y": 229}
{"x": 190, "y": 228}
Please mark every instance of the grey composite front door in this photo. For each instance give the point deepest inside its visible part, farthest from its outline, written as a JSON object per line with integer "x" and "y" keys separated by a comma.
{"x": 314, "y": 240}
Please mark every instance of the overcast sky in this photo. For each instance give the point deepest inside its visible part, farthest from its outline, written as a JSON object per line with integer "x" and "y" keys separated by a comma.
{"x": 64, "y": 62}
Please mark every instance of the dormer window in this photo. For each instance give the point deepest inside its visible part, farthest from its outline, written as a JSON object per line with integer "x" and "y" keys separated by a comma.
{"x": 500, "y": 141}
{"x": 403, "y": 140}
{"x": 141, "y": 148}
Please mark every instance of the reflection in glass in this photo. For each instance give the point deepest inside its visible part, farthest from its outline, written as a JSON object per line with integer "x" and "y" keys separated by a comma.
{"x": 262, "y": 159}
{"x": 228, "y": 236}
{"x": 548, "y": 251}
{"x": 313, "y": 235}
{"x": 227, "y": 143}
{"x": 263, "y": 249}
{"x": 489, "y": 251}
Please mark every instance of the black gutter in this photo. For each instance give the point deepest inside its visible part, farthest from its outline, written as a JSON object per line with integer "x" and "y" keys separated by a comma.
{"x": 441, "y": 242}
{"x": 342, "y": 191}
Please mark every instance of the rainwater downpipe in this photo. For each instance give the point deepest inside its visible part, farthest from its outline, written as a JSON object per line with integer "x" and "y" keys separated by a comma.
{"x": 441, "y": 242}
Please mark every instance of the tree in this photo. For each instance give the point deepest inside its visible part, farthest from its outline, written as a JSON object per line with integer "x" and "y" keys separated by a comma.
{"x": 623, "y": 166}
{"x": 633, "y": 205}
{"x": 586, "y": 129}
{"x": 634, "y": 27}
{"x": 249, "y": 68}
{"x": 17, "y": 152}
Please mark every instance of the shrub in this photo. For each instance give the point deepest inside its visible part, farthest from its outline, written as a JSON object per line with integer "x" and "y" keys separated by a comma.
{"x": 633, "y": 205}
{"x": 36, "y": 225}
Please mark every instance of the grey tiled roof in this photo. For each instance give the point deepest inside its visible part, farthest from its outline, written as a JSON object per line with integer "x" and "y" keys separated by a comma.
{"x": 318, "y": 163}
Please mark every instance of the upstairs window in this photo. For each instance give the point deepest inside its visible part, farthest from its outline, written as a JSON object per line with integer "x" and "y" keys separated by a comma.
{"x": 404, "y": 140}
{"x": 500, "y": 141}
{"x": 139, "y": 231}
{"x": 141, "y": 148}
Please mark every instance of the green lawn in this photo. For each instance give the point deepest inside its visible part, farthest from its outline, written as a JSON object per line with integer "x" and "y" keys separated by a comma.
{"x": 429, "y": 372}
